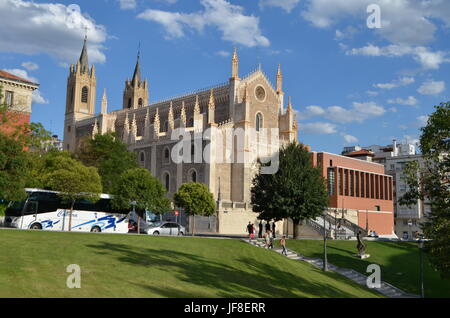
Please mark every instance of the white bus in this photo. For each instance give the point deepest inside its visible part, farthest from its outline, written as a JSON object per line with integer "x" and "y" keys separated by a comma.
{"x": 45, "y": 210}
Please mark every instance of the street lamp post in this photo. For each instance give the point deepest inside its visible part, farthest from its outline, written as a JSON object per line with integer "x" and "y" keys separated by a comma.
{"x": 422, "y": 291}
{"x": 325, "y": 261}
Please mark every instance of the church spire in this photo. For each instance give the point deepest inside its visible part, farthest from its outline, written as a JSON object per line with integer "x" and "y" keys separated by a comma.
{"x": 137, "y": 70}
{"x": 279, "y": 80}
{"x": 104, "y": 103}
{"x": 235, "y": 66}
{"x": 83, "y": 61}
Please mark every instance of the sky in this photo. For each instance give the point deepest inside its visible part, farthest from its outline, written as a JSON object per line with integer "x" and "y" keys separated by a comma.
{"x": 353, "y": 81}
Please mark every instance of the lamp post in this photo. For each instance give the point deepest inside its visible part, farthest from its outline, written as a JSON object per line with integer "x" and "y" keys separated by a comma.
{"x": 410, "y": 232}
{"x": 422, "y": 291}
{"x": 325, "y": 261}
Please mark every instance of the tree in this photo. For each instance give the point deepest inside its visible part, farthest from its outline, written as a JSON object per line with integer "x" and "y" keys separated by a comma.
{"x": 138, "y": 188}
{"x": 195, "y": 199}
{"x": 297, "y": 190}
{"x": 13, "y": 169}
{"x": 432, "y": 183}
{"x": 109, "y": 155}
{"x": 71, "y": 178}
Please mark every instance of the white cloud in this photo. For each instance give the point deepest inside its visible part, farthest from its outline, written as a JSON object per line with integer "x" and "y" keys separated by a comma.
{"x": 223, "y": 53}
{"x": 359, "y": 112}
{"x": 426, "y": 58}
{"x": 286, "y": 5}
{"x": 404, "y": 81}
{"x": 422, "y": 120}
{"x": 49, "y": 28}
{"x": 431, "y": 87}
{"x": 410, "y": 101}
{"x": 38, "y": 98}
{"x": 409, "y": 22}
{"x": 319, "y": 128}
{"x": 23, "y": 74}
{"x": 229, "y": 19}
{"x": 349, "y": 139}
{"x": 30, "y": 66}
{"x": 127, "y": 4}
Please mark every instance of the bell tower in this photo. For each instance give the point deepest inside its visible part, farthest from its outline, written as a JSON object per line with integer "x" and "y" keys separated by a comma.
{"x": 135, "y": 94}
{"x": 80, "y": 96}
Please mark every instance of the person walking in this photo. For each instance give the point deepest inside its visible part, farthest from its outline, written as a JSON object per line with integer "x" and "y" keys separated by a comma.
{"x": 252, "y": 234}
{"x": 267, "y": 239}
{"x": 249, "y": 230}
{"x": 273, "y": 230}
{"x": 260, "y": 235}
{"x": 283, "y": 245}
{"x": 270, "y": 239}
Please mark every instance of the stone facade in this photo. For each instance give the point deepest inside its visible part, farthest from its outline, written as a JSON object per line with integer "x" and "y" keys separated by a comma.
{"x": 248, "y": 105}
{"x": 18, "y": 96}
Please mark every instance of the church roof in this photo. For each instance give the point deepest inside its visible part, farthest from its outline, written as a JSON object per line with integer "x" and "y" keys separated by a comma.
{"x": 137, "y": 71}
{"x": 84, "y": 62}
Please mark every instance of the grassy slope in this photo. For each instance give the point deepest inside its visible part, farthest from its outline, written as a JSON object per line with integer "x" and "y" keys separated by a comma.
{"x": 33, "y": 264}
{"x": 399, "y": 263}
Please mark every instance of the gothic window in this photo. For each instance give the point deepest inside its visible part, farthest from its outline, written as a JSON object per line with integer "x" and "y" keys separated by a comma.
{"x": 142, "y": 158}
{"x": 167, "y": 181}
{"x": 191, "y": 122}
{"x": 84, "y": 94}
{"x": 166, "y": 155}
{"x": 140, "y": 102}
{"x": 259, "y": 122}
{"x": 166, "y": 126}
{"x": 129, "y": 102}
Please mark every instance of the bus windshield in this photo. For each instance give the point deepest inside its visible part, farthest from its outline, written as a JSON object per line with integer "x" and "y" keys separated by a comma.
{"x": 15, "y": 208}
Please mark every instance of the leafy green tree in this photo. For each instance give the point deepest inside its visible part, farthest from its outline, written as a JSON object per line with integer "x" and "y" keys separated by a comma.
{"x": 432, "y": 183}
{"x": 13, "y": 169}
{"x": 296, "y": 191}
{"x": 195, "y": 199}
{"x": 139, "y": 189}
{"x": 72, "y": 179}
{"x": 109, "y": 155}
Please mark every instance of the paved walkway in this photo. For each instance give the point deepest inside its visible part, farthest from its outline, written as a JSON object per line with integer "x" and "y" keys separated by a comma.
{"x": 386, "y": 289}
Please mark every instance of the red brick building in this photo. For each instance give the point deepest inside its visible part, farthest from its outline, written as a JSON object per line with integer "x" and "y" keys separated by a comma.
{"x": 17, "y": 94}
{"x": 359, "y": 190}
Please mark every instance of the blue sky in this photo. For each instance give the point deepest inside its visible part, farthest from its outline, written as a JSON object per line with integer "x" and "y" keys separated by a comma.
{"x": 349, "y": 84}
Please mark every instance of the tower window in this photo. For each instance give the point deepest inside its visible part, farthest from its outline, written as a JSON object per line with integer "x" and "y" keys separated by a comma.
{"x": 193, "y": 176}
{"x": 167, "y": 181}
{"x": 140, "y": 102}
{"x": 258, "y": 122}
{"x": 191, "y": 122}
{"x": 84, "y": 94}
{"x": 129, "y": 102}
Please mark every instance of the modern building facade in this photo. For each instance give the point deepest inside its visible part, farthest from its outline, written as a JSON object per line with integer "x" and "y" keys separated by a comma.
{"x": 17, "y": 96}
{"x": 394, "y": 157}
{"x": 359, "y": 191}
{"x": 223, "y": 124}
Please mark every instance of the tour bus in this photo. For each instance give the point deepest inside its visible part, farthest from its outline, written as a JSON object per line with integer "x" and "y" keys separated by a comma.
{"x": 45, "y": 210}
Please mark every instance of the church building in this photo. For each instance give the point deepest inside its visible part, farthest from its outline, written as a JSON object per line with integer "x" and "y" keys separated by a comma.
{"x": 246, "y": 107}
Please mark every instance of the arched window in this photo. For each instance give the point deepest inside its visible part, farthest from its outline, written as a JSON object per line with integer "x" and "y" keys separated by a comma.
{"x": 140, "y": 102}
{"x": 166, "y": 126}
{"x": 142, "y": 157}
{"x": 259, "y": 122}
{"x": 84, "y": 94}
{"x": 166, "y": 155}
{"x": 191, "y": 122}
{"x": 193, "y": 176}
{"x": 167, "y": 181}
{"x": 129, "y": 102}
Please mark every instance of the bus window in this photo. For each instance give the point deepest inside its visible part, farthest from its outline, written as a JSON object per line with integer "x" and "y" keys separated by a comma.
{"x": 15, "y": 208}
{"x": 32, "y": 207}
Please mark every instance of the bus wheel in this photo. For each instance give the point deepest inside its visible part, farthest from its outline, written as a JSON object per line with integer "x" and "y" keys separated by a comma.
{"x": 156, "y": 233}
{"x": 96, "y": 229}
{"x": 36, "y": 226}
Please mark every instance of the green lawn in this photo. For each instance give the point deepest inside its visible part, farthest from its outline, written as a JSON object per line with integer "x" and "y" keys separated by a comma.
{"x": 33, "y": 264}
{"x": 399, "y": 262}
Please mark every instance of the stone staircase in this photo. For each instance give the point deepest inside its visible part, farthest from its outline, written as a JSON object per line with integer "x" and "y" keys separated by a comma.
{"x": 385, "y": 289}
